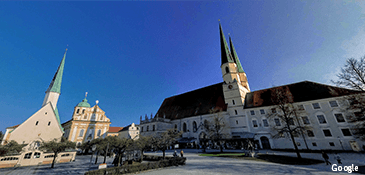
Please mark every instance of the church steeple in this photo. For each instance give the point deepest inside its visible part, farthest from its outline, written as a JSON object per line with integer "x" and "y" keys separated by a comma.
{"x": 54, "y": 89}
{"x": 226, "y": 55}
{"x": 235, "y": 57}
{"x": 55, "y": 85}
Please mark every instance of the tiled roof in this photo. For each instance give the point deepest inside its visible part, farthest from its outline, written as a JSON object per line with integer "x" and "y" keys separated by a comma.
{"x": 126, "y": 128}
{"x": 12, "y": 127}
{"x": 197, "y": 102}
{"x": 297, "y": 92}
{"x": 114, "y": 129}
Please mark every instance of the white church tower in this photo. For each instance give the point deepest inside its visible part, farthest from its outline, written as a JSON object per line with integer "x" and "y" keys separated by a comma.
{"x": 235, "y": 85}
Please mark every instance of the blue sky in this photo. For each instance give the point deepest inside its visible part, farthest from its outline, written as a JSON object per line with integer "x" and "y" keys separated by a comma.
{"x": 132, "y": 55}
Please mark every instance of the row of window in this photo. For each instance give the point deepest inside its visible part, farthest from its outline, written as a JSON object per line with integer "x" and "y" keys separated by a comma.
{"x": 185, "y": 128}
{"x": 315, "y": 144}
{"x": 326, "y": 132}
{"x": 82, "y": 133}
{"x": 36, "y": 156}
{"x": 9, "y": 158}
{"x": 37, "y": 122}
{"x": 29, "y": 155}
{"x": 148, "y": 128}
{"x": 93, "y": 117}
{"x": 300, "y": 107}
{"x": 321, "y": 119}
{"x": 78, "y": 111}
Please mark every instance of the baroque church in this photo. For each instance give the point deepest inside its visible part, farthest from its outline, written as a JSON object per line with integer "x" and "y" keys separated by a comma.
{"x": 87, "y": 123}
{"x": 245, "y": 112}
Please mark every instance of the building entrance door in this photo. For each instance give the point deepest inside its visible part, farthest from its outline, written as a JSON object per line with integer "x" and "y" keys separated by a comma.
{"x": 265, "y": 143}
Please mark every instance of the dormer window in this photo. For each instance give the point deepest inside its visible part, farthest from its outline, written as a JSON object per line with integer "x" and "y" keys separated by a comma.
{"x": 333, "y": 104}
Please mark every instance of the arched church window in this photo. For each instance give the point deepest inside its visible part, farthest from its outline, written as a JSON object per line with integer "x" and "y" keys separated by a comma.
{"x": 227, "y": 70}
{"x": 81, "y": 133}
{"x": 99, "y": 132}
{"x": 184, "y": 127}
{"x": 233, "y": 102}
{"x": 49, "y": 123}
{"x": 194, "y": 126}
{"x": 85, "y": 117}
{"x": 235, "y": 111}
{"x": 83, "y": 111}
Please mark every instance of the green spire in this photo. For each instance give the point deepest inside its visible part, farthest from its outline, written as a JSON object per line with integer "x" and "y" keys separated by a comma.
{"x": 55, "y": 85}
{"x": 58, "y": 117}
{"x": 235, "y": 57}
{"x": 226, "y": 55}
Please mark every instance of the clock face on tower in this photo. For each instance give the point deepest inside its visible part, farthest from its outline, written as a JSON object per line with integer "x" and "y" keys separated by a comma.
{"x": 230, "y": 87}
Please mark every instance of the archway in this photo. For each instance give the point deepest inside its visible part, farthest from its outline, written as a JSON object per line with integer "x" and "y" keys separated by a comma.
{"x": 265, "y": 143}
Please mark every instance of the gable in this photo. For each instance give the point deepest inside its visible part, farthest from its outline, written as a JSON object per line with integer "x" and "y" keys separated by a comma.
{"x": 41, "y": 125}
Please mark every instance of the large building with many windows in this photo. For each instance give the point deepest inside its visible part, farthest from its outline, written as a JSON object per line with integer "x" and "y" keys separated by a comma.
{"x": 246, "y": 112}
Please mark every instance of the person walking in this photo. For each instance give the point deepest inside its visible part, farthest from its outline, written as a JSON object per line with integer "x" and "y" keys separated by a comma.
{"x": 325, "y": 157}
{"x": 338, "y": 158}
{"x": 182, "y": 153}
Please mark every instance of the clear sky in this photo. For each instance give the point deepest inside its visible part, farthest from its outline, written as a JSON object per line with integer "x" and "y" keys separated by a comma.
{"x": 132, "y": 55}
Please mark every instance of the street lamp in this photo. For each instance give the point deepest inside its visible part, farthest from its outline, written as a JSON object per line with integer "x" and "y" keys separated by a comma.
{"x": 339, "y": 139}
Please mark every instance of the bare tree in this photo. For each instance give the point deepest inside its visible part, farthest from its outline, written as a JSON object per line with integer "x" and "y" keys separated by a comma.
{"x": 287, "y": 113}
{"x": 163, "y": 140}
{"x": 119, "y": 147}
{"x": 216, "y": 129}
{"x": 142, "y": 144}
{"x": 353, "y": 76}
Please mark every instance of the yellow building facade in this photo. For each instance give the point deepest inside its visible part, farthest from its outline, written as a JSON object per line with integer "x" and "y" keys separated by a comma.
{"x": 87, "y": 123}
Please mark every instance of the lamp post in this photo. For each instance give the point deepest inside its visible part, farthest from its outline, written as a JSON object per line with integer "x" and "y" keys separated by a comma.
{"x": 339, "y": 139}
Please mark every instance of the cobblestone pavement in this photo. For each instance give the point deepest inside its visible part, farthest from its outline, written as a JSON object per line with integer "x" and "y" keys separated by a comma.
{"x": 219, "y": 165}
{"x": 200, "y": 165}
{"x": 79, "y": 166}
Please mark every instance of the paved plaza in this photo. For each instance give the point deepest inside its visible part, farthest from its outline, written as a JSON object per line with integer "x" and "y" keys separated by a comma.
{"x": 201, "y": 165}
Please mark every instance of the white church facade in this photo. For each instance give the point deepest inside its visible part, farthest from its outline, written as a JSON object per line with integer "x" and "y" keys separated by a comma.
{"x": 246, "y": 112}
{"x": 43, "y": 125}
